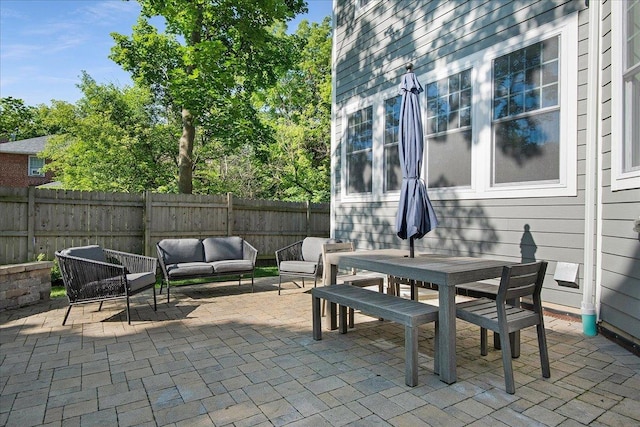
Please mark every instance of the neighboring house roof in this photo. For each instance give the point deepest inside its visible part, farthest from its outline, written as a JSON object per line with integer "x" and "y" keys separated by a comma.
{"x": 25, "y": 146}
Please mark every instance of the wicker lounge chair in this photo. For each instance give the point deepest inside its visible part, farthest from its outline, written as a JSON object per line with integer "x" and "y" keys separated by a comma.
{"x": 93, "y": 274}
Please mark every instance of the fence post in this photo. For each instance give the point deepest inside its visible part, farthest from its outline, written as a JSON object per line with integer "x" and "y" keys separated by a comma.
{"x": 229, "y": 214}
{"x": 146, "y": 220}
{"x": 308, "y": 218}
{"x": 31, "y": 223}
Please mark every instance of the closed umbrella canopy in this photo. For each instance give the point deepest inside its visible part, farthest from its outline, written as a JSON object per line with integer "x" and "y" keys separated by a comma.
{"x": 416, "y": 216}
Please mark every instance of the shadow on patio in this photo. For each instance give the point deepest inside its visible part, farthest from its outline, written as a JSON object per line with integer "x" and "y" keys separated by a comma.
{"x": 219, "y": 355}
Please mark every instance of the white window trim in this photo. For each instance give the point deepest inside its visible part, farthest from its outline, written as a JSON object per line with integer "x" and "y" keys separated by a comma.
{"x": 377, "y": 191}
{"x": 481, "y": 158}
{"x": 30, "y": 169}
{"x": 620, "y": 180}
{"x": 349, "y": 109}
{"x": 481, "y": 62}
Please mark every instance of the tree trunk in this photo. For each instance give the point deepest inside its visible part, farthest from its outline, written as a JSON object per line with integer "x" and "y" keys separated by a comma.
{"x": 185, "y": 156}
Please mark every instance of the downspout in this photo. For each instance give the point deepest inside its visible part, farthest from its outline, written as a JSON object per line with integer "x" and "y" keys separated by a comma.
{"x": 598, "y": 140}
{"x": 333, "y": 161}
{"x": 592, "y": 177}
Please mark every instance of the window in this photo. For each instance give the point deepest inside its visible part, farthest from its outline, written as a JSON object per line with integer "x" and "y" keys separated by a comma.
{"x": 625, "y": 146}
{"x": 35, "y": 166}
{"x": 631, "y": 76}
{"x": 449, "y": 131}
{"x": 392, "y": 170}
{"x": 498, "y": 123}
{"x": 360, "y": 151}
{"x": 502, "y": 122}
{"x": 526, "y": 115}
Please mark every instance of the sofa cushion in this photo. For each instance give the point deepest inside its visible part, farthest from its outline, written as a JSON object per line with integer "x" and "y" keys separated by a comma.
{"x": 231, "y": 266}
{"x": 138, "y": 281}
{"x": 222, "y": 248}
{"x": 189, "y": 269}
{"x": 175, "y": 251}
{"x": 304, "y": 267}
{"x": 92, "y": 252}
{"x": 312, "y": 248}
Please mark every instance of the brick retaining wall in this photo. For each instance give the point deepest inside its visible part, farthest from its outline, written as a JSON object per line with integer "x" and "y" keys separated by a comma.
{"x": 24, "y": 284}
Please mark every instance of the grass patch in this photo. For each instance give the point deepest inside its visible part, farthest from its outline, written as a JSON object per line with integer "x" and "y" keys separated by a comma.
{"x": 57, "y": 290}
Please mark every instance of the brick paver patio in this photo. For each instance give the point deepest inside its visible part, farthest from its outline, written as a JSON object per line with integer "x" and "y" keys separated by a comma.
{"x": 220, "y": 355}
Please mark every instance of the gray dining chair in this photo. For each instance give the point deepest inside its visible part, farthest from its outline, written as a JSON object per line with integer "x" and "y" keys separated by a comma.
{"x": 517, "y": 281}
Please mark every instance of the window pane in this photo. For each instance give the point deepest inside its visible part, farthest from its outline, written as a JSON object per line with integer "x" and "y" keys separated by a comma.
{"x": 526, "y": 80}
{"x": 631, "y": 156}
{"x": 393, "y": 173}
{"x": 35, "y": 166}
{"x": 445, "y": 99}
{"x": 633, "y": 33}
{"x": 359, "y": 151}
{"x": 449, "y": 162}
{"x": 359, "y": 173}
{"x": 527, "y": 149}
{"x": 632, "y": 124}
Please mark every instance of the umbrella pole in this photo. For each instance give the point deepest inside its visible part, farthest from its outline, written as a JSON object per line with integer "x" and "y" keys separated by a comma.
{"x": 412, "y": 253}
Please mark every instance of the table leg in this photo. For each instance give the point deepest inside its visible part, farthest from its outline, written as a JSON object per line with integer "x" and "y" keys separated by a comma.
{"x": 447, "y": 333}
{"x": 343, "y": 319}
{"x": 333, "y": 316}
{"x": 317, "y": 322}
{"x": 333, "y": 313}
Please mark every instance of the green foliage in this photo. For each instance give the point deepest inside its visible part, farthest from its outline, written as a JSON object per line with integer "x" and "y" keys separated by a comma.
{"x": 211, "y": 58}
{"x": 18, "y": 121}
{"x": 267, "y": 271}
{"x": 55, "y": 270}
{"x": 298, "y": 109}
{"x": 260, "y": 100}
{"x": 113, "y": 140}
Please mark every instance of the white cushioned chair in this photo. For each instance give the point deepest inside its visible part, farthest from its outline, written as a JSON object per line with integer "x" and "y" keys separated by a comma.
{"x": 302, "y": 259}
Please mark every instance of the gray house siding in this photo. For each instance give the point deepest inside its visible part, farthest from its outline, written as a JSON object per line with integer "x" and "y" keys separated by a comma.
{"x": 620, "y": 280}
{"x": 371, "y": 49}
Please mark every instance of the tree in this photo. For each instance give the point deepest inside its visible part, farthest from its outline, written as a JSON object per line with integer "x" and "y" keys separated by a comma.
{"x": 212, "y": 57}
{"x": 112, "y": 140}
{"x": 298, "y": 108}
{"x": 17, "y": 121}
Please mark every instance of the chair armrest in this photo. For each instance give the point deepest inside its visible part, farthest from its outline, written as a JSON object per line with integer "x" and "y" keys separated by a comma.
{"x": 292, "y": 252}
{"x": 249, "y": 252}
{"x": 86, "y": 279}
{"x": 163, "y": 266}
{"x": 132, "y": 262}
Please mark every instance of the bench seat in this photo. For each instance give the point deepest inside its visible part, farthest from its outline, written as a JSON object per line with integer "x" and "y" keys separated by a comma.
{"x": 409, "y": 313}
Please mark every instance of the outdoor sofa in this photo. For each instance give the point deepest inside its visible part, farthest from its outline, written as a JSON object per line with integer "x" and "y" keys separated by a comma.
{"x": 191, "y": 258}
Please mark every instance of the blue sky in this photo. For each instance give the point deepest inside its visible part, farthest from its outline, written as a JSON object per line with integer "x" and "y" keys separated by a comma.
{"x": 46, "y": 44}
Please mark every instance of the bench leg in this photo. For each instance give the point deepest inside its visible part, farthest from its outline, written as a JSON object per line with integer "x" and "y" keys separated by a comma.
{"x": 343, "y": 319}
{"x": 317, "y": 323}
{"x": 333, "y": 314}
{"x": 436, "y": 349}
{"x": 352, "y": 317}
{"x": 411, "y": 356}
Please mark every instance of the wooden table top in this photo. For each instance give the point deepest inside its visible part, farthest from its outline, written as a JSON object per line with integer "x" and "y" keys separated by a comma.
{"x": 446, "y": 270}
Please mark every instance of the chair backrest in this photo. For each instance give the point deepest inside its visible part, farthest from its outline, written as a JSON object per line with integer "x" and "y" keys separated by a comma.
{"x": 328, "y": 248}
{"x": 312, "y": 248}
{"x": 91, "y": 252}
{"x": 522, "y": 280}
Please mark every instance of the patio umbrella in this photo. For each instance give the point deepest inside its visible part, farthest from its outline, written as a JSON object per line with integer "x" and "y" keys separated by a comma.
{"x": 416, "y": 216}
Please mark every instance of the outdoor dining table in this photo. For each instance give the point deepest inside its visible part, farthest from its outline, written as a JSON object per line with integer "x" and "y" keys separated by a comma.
{"x": 446, "y": 271}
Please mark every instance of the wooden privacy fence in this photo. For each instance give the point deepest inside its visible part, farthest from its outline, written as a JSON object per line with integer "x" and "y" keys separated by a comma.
{"x": 41, "y": 221}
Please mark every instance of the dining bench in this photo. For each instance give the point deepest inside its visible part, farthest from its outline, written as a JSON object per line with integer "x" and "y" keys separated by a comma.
{"x": 406, "y": 312}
